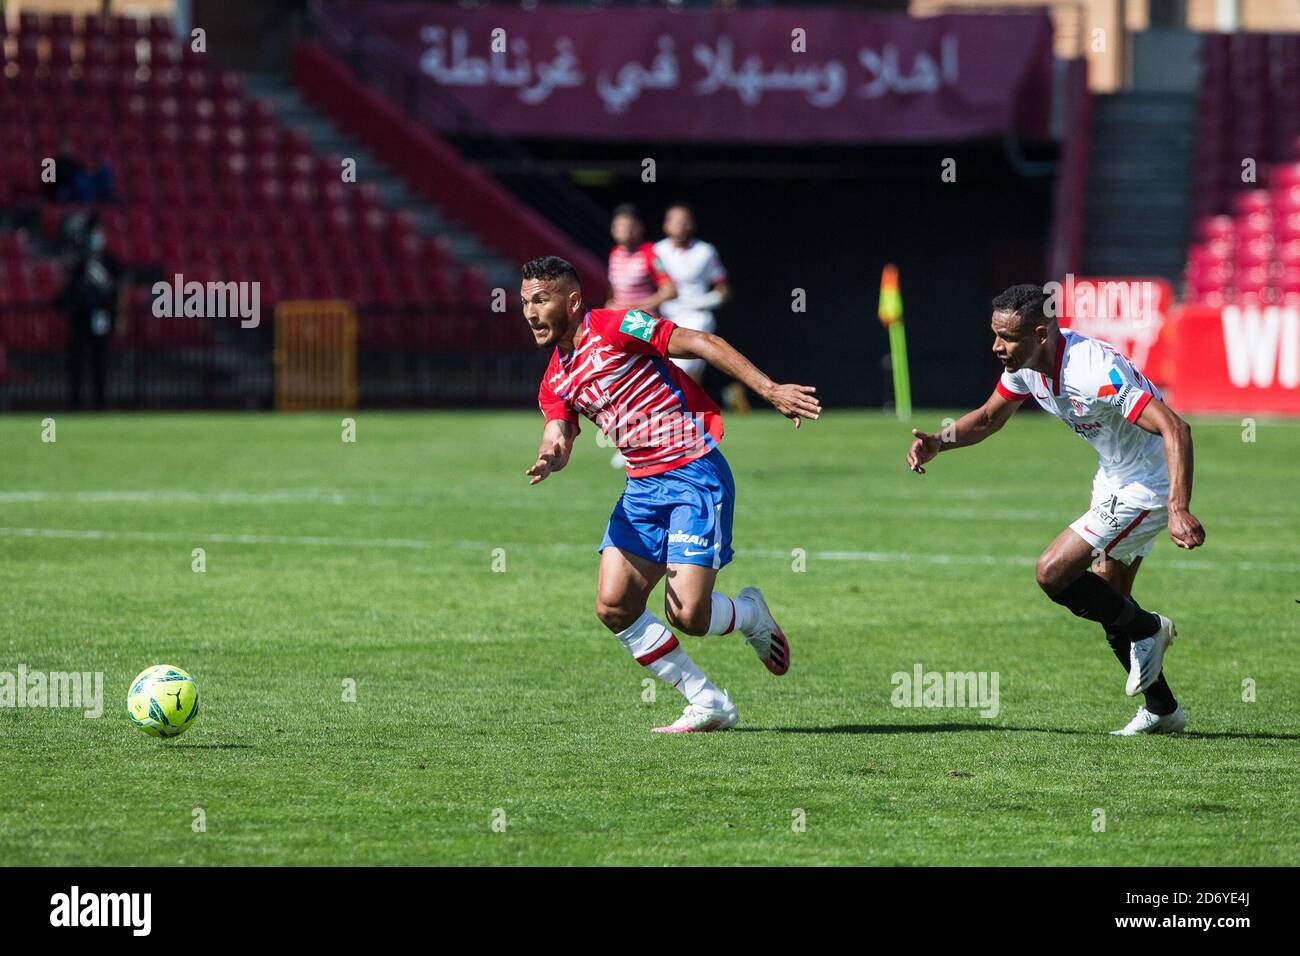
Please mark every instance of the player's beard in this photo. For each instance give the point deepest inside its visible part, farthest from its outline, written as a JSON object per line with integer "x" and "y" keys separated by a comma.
{"x": 549, "y": 335}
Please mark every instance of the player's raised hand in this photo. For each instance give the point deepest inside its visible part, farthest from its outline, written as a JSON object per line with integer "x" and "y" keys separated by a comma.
{"x": 1186, "y": 530}
{"x": 544, "y": 466}
{"x": 795, "y": 402}
{"x": 923, "y": 449}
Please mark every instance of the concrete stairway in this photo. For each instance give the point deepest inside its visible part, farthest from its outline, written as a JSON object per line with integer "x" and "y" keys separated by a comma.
{"x": 1139, "y": 181}
{"x": 326, "y": 139}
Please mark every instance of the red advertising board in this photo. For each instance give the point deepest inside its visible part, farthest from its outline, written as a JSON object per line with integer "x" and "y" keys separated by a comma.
{"x": 1229, "y": 360}
{"x": 1237, "y": 359}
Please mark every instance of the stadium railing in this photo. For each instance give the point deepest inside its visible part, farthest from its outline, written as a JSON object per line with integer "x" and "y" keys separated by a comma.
{"x": 402, "y": 360}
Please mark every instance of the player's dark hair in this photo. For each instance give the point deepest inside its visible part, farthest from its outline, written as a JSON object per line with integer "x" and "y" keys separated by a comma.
{"x": 627, "y": 209}
{"x": 550, "y": 267}
{"x": 1026, "y": 302}
{"x": 680, "y": 205}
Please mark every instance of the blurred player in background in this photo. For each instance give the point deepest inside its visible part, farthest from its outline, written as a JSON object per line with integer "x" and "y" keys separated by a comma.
{"x": 696, "y": 273}
{"x": 701, "y": 283}
{"x": 637, "y": 279}
{"x": 1143, "y": 484}
{"x": 674, "y": 517}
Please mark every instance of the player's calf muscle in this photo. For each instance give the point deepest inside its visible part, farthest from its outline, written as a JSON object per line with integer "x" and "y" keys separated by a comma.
{"x": 688, "y": 598}
{"x": 692, "y": 616}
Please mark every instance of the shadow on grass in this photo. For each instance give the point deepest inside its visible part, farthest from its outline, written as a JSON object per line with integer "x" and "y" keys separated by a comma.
{"x": 960, "y": 728}
{"x": 210, "y": 747}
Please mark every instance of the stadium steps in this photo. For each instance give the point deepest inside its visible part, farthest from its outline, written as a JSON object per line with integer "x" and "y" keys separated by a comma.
{"x": 1139, "y": 184}
{"x": 295, "y": 113}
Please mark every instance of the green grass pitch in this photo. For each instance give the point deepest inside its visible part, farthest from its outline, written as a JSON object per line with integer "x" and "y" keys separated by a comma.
{"x": 488, "y": 696}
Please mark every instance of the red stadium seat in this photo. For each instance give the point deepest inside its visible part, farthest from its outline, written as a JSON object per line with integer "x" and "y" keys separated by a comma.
{"x": 210, "y": 184}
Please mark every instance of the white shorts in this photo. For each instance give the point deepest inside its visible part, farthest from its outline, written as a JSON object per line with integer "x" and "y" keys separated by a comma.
{"x": 1118, "y": 529}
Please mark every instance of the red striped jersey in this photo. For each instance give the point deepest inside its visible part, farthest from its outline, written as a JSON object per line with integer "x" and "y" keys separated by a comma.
{"x": 618, "y": 375}
{"x": 635, "y": 275}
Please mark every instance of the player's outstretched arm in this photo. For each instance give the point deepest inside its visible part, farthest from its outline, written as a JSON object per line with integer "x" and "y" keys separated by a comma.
{"x": 1159, "y": 419}
{"x": 971, "y": 429}
{"x": 553, "y": 453}
{"x": 793, "y": 401}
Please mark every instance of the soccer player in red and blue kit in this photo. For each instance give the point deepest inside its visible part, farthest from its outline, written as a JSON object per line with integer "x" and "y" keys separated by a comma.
{"x": 674, "y": 518}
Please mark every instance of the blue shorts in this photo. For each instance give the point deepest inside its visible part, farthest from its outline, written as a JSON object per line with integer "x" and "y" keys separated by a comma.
{"x": 681, "y": 516}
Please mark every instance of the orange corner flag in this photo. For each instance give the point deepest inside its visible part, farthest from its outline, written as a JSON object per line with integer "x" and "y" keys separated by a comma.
{"x": 891, "y": 302}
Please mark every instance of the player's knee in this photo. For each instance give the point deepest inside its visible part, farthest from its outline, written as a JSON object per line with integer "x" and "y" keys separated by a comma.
{"x": 690, "y": 617}
{"x": 1051, "y": 574}
{"x": 614, "y": 616}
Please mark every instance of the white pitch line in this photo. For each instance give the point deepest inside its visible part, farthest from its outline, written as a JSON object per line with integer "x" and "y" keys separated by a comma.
{"x": 311, "y": 540}
{"x": 865, "y": 557}
{"x": 318, "y": 496}
{"x": 152, "y": 496}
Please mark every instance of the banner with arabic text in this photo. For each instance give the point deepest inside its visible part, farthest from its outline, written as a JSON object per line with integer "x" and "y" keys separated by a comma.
{"x": 772, "y": 75}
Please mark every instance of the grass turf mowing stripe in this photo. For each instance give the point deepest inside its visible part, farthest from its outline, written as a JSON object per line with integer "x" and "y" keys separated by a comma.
{"x": 478, "y": 691}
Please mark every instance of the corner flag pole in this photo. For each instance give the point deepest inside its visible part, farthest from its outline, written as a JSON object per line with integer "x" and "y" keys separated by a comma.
{"x": 891, "y": 317}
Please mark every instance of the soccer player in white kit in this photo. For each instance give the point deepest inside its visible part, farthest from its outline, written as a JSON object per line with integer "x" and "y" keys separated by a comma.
{"x": 697, "y": 275}
{"x": 1143, "y": 484}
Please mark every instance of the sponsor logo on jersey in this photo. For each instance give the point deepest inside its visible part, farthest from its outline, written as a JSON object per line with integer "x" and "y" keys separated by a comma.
{"x": 1078, "y": 407}
{"x": 638, "y": 324}
{"x": 1116, "y": 383}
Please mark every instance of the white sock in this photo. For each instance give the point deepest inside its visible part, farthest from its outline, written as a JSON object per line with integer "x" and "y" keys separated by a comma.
{"x": 739, "y": 614}
{"x": 678, "y": 669}
{"x": 655, "y": 648}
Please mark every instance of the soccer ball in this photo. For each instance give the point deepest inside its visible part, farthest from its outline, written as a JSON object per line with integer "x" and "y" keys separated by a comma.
{"x": 163, "y": 701}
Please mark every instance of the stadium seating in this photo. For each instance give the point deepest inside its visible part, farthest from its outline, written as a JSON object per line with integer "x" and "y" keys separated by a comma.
{"x": 1246, "y": 243}
{"x": 434, "y": 168}
{"x": 208, "y": 184}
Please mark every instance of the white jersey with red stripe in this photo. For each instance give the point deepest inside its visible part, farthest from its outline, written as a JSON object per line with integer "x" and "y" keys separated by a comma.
{"x": 618, "y": 376}
{"x": 1099, "y": 393}
{"x": 695, "y": 269}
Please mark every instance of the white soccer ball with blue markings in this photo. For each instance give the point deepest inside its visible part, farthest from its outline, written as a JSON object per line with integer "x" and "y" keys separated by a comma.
{"x": 163, "y": 701}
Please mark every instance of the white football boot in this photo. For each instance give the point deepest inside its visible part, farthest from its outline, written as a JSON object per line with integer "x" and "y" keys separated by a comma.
{"x": 696, "y": 719}
{"x": 1145, "y": 722}
{"x": 768, "y": 640}
{"x": 1147, "y": 656}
